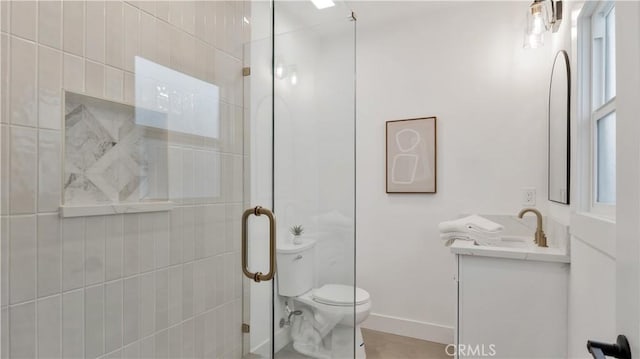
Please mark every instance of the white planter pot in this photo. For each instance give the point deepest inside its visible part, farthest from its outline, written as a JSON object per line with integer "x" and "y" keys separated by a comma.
{"x": 296, "y": 239}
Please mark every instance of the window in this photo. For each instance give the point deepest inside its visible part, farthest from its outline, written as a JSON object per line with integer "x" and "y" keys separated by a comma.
{"x": 606, "y": 159}
{"x": 602, "y": 108}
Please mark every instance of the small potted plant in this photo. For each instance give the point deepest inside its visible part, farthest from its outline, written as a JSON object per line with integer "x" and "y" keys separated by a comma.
{"x": 296, "y": 233}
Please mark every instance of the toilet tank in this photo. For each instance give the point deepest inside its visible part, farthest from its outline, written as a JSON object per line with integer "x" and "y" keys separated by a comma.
{"x": 295, "y": 265}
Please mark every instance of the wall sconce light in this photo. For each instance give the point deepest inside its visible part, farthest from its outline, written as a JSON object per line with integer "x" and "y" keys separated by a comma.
{"x": 542, "y": 16}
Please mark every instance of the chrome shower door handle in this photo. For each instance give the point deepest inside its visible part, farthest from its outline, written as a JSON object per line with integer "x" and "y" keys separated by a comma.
{"x": 258, "y": 276}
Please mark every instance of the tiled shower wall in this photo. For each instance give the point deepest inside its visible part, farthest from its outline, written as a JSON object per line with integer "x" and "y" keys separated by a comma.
{"x": 140, "y": 285}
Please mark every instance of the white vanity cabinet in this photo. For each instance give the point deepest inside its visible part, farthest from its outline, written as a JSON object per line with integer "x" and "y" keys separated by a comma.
{"x": 511, "y": 303}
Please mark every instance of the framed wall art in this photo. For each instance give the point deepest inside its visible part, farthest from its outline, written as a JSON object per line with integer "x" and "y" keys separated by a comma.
{"x": 411, "y": 155}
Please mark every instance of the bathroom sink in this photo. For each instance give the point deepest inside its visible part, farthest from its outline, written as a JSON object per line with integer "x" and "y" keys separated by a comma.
{"x": 512, "y": 242}
{"x": 516, "y": 241}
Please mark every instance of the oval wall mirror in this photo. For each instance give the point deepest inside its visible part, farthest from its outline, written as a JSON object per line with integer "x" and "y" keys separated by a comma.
{"x": 559, "y": 129}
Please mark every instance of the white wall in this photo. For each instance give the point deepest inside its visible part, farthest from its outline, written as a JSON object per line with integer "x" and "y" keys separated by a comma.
{"x": 464, "y": 63}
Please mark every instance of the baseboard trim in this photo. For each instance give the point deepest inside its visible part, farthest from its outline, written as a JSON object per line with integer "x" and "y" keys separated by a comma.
{"x": 409, "y": 328}
{"x": 281, "y": 340}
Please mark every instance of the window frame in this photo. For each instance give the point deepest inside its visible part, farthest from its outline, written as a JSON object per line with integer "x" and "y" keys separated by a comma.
{"x": 591, "y": 20}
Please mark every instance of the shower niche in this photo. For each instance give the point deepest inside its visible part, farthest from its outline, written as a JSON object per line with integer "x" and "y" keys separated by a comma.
{"x": 112, "y": 163}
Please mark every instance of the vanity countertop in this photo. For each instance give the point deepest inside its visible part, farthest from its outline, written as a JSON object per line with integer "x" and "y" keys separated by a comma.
{"x": 532, "y": 253}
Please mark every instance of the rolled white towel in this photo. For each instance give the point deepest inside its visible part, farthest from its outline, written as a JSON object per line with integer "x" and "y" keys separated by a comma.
{"x": 473, "y": 222}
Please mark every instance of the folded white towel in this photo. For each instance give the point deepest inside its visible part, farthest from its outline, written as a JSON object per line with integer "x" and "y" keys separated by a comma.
{"x": 456, "y": 235}
{"x": 473, "y": 222}
{"x": 449, "y": 238}
{"x": 471, "y": 236}
{"x": 477, "y": 237}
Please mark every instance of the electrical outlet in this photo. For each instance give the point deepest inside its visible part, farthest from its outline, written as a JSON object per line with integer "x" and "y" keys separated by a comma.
{"x": 528, "y": 196}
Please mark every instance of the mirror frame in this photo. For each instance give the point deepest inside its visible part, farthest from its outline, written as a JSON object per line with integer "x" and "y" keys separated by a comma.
{"x": 561, "y": 54}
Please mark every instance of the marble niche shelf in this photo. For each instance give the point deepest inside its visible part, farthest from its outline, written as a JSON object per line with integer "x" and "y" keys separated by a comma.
{"x": 107, "y": 209}
{"x": 115, "y": 158}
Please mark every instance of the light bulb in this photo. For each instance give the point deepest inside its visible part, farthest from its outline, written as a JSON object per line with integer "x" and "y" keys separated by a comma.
{"x": 538, "y": 24}
{"x": 533, "y": 41}
{"x": 279, "y": 71}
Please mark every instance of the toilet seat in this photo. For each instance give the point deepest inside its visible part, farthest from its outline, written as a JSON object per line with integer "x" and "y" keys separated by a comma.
{"x": 340, "y": 295}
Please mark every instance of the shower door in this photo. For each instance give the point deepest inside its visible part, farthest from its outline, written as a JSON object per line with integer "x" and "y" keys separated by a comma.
{"x": 300, "y": 91}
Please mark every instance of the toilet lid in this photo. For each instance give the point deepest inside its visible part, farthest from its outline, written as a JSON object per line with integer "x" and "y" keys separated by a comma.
{"x": 338, "y": 294}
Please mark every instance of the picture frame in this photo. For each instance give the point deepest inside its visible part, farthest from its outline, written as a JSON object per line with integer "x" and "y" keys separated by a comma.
{"x": 411, "y": 153}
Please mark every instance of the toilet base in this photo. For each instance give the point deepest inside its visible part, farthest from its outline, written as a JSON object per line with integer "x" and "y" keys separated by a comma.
{"x": 337, "y": 344}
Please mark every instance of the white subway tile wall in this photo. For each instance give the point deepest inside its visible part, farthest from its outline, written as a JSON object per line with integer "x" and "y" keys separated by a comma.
{"x": 113, "y": 247}
{"x": 22, "y": 78}
{"x": 50, "y": 24}
{"x": 72, "y": 27}
{"x": 49, "y": 255}
{"x": 23, "y": 169}
{"x": 49, "y": 164}
{"x": 22, "y": 259}
{"x": 49, "y": 87}
{"x": 148, "y": 285}
{"x": 5, "y": 174}
{"x": 4, "y": 73}
{"x": 95, "y": 30}
{"x": 5, "y": 329}
{"x": 49, "y": 332}
{"x": 73, "y": 73}
{"x": 22, "y": 322}
{"x": 24, "y": 19}
{"x": 72, "y": 324}
{"x": 94, "y": 79}
{"x": 114, "y": 83}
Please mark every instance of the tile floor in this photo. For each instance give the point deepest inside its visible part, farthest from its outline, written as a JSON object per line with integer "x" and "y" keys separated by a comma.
{"x": 381, "y": 345}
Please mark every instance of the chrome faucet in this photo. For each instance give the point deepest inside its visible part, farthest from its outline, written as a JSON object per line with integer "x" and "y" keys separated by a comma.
{"x": 540, "y": 238}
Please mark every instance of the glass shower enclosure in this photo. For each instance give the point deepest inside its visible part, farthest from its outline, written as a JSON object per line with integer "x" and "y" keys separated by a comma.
{"x": 134, "y": 136}
{"x": 302, "y": 165}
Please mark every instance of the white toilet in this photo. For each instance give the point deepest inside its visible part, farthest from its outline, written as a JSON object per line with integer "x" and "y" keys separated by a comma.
{"x": 325, "y": 328}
